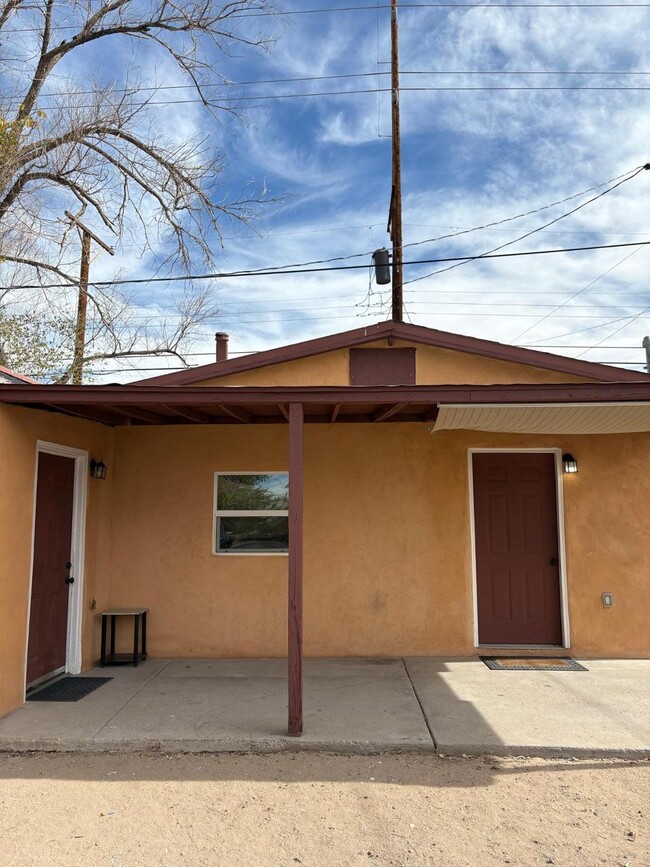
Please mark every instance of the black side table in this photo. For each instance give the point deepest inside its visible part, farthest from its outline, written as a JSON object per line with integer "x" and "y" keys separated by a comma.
{"x": 139, "y": 616}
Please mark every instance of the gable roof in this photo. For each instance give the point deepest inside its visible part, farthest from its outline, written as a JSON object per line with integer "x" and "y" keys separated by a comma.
{"x": 401, "y": 331}
{"x": 7, "y": 375}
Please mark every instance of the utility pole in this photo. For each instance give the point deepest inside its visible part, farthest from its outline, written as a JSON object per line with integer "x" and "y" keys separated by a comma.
{"x": 646, "y": 346}
{"x": 82, "y": 306}
{"x": 395, "y": 215}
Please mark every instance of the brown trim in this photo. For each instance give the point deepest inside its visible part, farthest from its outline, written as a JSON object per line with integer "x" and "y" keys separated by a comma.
{"x": 387, "y": 411}
{"x": 227, "y": 397}
{"x": 403, "y": 331}
{"x": 92, "y": 413}
{"x": 140, "y": 414}
{"x": 240, "y": 414}
{"x": 190, "y": 414}
{"x": 336, "y": 409}
{"x": 284, "y": 411}
{"x": 295, "y": 612}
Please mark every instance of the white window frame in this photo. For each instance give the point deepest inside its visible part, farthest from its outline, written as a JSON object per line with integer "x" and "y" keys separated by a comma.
{"x": 244, "y": 513}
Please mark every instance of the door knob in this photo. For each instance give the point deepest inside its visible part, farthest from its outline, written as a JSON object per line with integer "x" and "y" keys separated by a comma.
{"x": 554, "y": 561}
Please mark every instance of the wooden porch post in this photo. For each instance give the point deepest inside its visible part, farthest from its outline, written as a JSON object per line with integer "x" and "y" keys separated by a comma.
{"x": 296, "y": 418}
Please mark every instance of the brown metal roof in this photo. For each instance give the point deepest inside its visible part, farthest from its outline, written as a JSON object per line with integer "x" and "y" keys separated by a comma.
{"x": 170, "y": 404}
{"x": 401, "y": 331}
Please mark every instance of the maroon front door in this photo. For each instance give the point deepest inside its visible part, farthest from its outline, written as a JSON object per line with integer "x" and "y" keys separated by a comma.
{"x": 517, "y": 556}
{"x": 48, "y": 619}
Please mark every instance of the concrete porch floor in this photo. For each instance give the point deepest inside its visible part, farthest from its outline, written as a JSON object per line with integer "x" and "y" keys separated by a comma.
{"x": 451, "y": 706}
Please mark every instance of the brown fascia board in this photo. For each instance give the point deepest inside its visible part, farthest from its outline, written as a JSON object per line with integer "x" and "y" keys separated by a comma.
{"x": 400, "y": 331}
{"x": 148, "y": 395}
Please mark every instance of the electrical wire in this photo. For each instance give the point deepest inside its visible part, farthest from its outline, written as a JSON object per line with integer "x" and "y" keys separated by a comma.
{"x": 441, "y": 89}
{"x": 310, "y": 78}
{"x": 630, "y": 172}
{"x": 617, "y": 331}
{"x": 410, "y": 6}
{"x": 489, "y": 253}
{"x": 278, "y": 273}
{"x": 576, "y": 294}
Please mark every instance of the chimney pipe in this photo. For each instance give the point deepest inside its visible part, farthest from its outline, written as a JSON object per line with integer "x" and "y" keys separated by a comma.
{"x": 221, "y": 340}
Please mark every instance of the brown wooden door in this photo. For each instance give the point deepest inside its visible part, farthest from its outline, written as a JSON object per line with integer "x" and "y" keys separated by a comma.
{"x": 48, "y": 621}
{"x": 517, "y": 556}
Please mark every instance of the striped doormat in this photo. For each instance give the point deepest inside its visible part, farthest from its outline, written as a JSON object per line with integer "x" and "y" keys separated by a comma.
{"x": 518, "y": 663}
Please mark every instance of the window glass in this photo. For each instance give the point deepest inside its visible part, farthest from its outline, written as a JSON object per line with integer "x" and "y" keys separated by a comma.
{"x": 252, "y": 513}
{"x": 269, "y": 535}
{"x": 258, "y": 493}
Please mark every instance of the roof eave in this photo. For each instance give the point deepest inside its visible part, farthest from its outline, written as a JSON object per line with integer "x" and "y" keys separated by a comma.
{"x": 402, "y": 331}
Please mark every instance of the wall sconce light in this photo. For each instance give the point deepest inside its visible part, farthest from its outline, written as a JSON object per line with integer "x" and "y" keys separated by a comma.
{"x": 97, "y": 469}
{"x": 570, "y": 463}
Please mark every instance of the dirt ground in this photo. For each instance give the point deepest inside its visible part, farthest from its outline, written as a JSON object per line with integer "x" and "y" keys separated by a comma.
{"x": 311, "y": 809}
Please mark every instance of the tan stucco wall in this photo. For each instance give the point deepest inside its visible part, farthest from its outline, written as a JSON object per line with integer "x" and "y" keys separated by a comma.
{"x": 328, "y": 368}
{"x": 19, "y": 431}
{"x": 433, "y": 366}
{"x": 387, "y": 541}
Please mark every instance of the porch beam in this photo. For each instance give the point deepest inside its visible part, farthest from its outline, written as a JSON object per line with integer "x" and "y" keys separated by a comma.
{"x": 240, "y": 414}
{"x": 141, "y": 414}
{"x": 191, "y": 414}
{"x": 296, "y": 428}
{"x": 335, "y": 411}
{"x": 284, "y": 411}
{"x": 431, "y": 414}
{"x": 98, "y": 414}
{"x": 387, "y": 411}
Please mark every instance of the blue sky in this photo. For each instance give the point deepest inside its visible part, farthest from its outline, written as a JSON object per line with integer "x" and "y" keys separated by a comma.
{"x": 470, "y": 157}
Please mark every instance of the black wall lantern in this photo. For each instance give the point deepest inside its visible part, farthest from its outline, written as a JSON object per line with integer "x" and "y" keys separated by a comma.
{"x": 97, "y": 469}
{"x": 570, "y": 463}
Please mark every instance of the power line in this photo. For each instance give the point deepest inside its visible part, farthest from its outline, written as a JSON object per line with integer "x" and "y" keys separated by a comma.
{"x": 277, "y": 273}
{"x": 615, "y": 186}
{"x": 538, "y": 210}
{"x": 580, "y": 331}
{"x": 576, "y": 294}
{"x": 429, "y": 88}
{"x": 617, "y": 331}
{"x": 631, "y": 173}
{"x": 360, "y": 91}
{"x": 230, "y": 84}
{"x": 294, "y": 12}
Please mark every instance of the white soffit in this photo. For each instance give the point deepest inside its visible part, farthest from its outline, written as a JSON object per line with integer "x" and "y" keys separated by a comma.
{"x": 590, "y": 418}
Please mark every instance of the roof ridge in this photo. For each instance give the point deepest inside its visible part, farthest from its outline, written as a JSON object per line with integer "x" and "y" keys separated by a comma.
{"x": 407, "y": 331}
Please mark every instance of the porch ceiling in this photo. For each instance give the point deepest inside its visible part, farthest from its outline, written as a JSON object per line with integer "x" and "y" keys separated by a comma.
{"x": 136, "y": 405}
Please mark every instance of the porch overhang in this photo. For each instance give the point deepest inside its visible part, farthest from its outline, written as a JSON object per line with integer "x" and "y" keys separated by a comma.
{"x": 539, "y": 408}
{"x": 574, "y": 418}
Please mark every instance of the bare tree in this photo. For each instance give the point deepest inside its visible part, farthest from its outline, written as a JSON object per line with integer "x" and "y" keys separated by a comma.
{"x": 98, "y": 149}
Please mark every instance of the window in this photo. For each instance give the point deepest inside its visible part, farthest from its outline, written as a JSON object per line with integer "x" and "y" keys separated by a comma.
{"x": 252, "y": 513}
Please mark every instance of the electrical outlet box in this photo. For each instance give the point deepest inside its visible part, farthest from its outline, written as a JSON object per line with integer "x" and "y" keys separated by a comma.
{"x": 608, "y": 600}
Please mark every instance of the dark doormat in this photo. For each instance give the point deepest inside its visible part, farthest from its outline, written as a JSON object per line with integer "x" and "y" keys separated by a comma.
{"x": 68, "y": 689}
{"x": 548, "y": 663}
